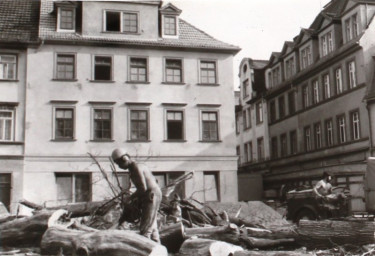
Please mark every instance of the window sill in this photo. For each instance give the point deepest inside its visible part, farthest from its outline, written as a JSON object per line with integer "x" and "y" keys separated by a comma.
{"x": 137, "y": 82}
{"x": 64, "y": 80}
{"x": 138, "y": 141}
{"x": 63, "y": 140}
{"x": 11, "y": 142}
{"x": 210, "y": 141}
{"x": 102, "y": 81}
{"x": 103, "y": 140}
{"x": 121, "y": 33}
{"x": 174, "y": 83}
{"x": 174, "y": 141}
{"x": 207, "y": 84}
{"x": 9, "y": 80}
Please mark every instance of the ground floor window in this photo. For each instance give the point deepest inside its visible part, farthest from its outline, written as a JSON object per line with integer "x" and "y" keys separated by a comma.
{"x": 73, "y": 187}
{"x": 5, "y": 189}
{"x": 166, "y": 178}
{"x": 211, "y": 187}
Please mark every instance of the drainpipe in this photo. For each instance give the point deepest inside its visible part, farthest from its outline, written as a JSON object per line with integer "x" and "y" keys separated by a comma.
{"x": 370, "y": 127}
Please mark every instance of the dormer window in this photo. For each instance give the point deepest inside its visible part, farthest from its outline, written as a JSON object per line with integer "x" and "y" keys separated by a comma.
{"x": 169, "y": 17}
{"x": 306, "y": 58}
{"x": 116, "y": 21}
{"x": 170, "y": 26}
{"x": 351, "y": 27}
{"x": 66, "y": 16}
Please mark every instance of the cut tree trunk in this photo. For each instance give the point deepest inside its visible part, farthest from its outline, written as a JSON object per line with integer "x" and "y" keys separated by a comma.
{"x": 116, "y": 243}
{"x": 272, "y": 232}
{"x": 172, "y": 237}
{"x": 328, "y": 233}
{"x": 26, "y": 231}
{"x": 207, "y": 247}
{"x": 264, "y": 243}
{"x": 59, "y": 240}
{"x": 229, "y": 233}
{"x": 271, "y": 253}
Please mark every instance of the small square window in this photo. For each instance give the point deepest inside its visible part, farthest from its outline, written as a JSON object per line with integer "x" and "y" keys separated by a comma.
{"x": 103, "y": 68}
{"x": 73, "y": 187}
{"x": 8, "y": 64}
{"x": 208, "y": 72}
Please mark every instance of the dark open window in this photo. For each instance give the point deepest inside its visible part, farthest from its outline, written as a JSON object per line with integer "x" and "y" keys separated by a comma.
{"x": 113, "y": 21}
{"x": 103, "y": 68}
{"x": 175, "y": 125}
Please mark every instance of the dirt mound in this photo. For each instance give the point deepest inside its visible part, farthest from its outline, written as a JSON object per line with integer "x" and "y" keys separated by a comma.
{"x": 255, "y": 212}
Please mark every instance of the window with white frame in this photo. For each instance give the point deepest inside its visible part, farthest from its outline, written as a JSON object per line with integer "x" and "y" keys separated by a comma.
{"x": 326, "y": 43}
{"x": 7, "y": 120}
{"x": 175, "y": 125}
{"x": 306, "y": 57}
{"x": 139, "y": 123}
{"x": 259, "y": 112}
{"x": 102, "y": 124}
{"x": 248, "y": 152}
{"x": 355, "y": 125}
{"x": 170, "y": 26}
{"x": 102, "y": 68}
{"x": 326, "y": 87}
{"x": 305, "y": 96}
{"x": 65, "y": 66}
{"x": 318, "y": 135}
{"x": 211, "y": 187}
{"x": 246, "y": 88}
{"x": 289, "y": 68}
{"x": 73, "y": 187}
{"x": 329, "y": 132}
{"x": 207, "y": 72}
{"x": 117, "y": 21}
{"x": 276, "y": 75}
{"x": 352, "y": 74}
{"x": 138, "y": 69}
{"x": 341, "y": 128}
{"x": 351, "y": 27}
{"x": 173, "y": 71}
{"x": 316, "y": 93}
{"x": 338, "y": 81}
{"x": 307, "y": 133}
{"x": 66, "y": 19}
{"x": 64, "y": 123}
{"x": 210, "y": 126}
{"x": 8, "y": 65}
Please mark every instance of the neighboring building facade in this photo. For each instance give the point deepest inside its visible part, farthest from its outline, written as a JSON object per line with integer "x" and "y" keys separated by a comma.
{"x": 317, "y": 114}
{"x": 126, "y": 74}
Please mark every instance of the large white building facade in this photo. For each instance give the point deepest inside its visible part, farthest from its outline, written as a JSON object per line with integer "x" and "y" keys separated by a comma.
{"x": 98, "y": 75}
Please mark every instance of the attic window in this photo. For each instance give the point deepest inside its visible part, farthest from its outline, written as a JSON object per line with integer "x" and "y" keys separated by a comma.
{"x": 113, "y": 21}
{"x": 66, "y": 19}
{"x": 116, "y": 21}
{"x": 170, "y": 25}
{"x": 244, "y": 68}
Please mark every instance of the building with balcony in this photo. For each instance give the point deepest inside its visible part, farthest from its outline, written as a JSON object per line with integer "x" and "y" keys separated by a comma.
{"x": 101, "y": 75}
{"x": 318, "y": 100}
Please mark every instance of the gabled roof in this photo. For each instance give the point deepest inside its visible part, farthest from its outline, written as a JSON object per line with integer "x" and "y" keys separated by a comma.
{"x": 304, "y": 31}
{"x": 19, "y": 20}
{"x": 189, "y": 37}
{"x": 258, "y": 64}
{"x": 170, "y": 8}
{"x": 274, "y": 55}
{"x": 287, "y": 44}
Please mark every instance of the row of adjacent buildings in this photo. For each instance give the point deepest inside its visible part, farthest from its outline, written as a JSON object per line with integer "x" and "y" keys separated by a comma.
{"x": 309, "y": 108}
{"x": 82, "y": 77}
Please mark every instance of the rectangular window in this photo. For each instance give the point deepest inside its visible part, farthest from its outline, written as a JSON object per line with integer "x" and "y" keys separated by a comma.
{"x": 306, "y": 58}
{"x": 341, "y": 128}
{"x": 170, "y": 27}
{"x": 272, "y": 111}
{"x": 355, "y": 125}
{"x": 281, "y": 107}
{"x": 326, "y": 43}
{"x": 65, "y": 66}
{"x": 245, "y": 87}
{"x": 116, "y": 21}
{"x": 338, "y": 81}
{"x": 329, "y": 132}
{"x": 210, "y": 131}
{"x": 260, "y": 146}
{"x": 238, "y": 123}
{"x": 173, "y": 71}
{"x": 102, "y": 124}
{"x": 318, "y": 135}
{"x": 348, "y": 30}
{"x": 305, "y": 96}
{"x": 208, "y": 72}
{"x": 73, "y": 187}
{"x": 244, "y": 117}
{"x": 283, "y": 145}
{"x": 259, "y": 113}
{"x": 166, "y": 178}
{"x": 103, "y": 68}
{"x": 67, "y": 17}
{"x": 290, "y": 69}
{"x": 247, "y": 118}
{"x": 8, "y": 67}
{"x": 238, "y": 153}
{"x": 307, "y": 133}
{"x": 175, "y": 125}
{"x": 270, "y": 79}
{"x": 352, "y": 75}
{"x": 138, "y": 124}
{"x": 122, "y": 179}
{"x": 292, "y": 102}
{"x": 248, "y": 152}
{"x": 6, "y": 189}
{"x": 326, "y": 87}
{"x": 130, "y": 22}
{"x": 138, "y": 70}
{"x": 274, "y": 148}
{"x": 6, "y": 123}
{"x": 293, "y": 142}
{"x": 211, "y": 187}
{"x": 351, "y": 27}
{"x": 64, "y": 123}
{"x": 316, "y": 93}
{"x": 276, "y": 73}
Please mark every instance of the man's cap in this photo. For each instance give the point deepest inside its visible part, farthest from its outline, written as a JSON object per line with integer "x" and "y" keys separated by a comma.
{"x": 118, "y": 153}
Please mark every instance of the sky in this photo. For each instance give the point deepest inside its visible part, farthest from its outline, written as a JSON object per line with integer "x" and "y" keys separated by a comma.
{"x": 258, "y": 27}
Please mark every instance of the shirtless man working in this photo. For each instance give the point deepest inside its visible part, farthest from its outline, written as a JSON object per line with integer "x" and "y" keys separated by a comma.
{"x": 148, "y": 192}
{"x": 323, "y": 189}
